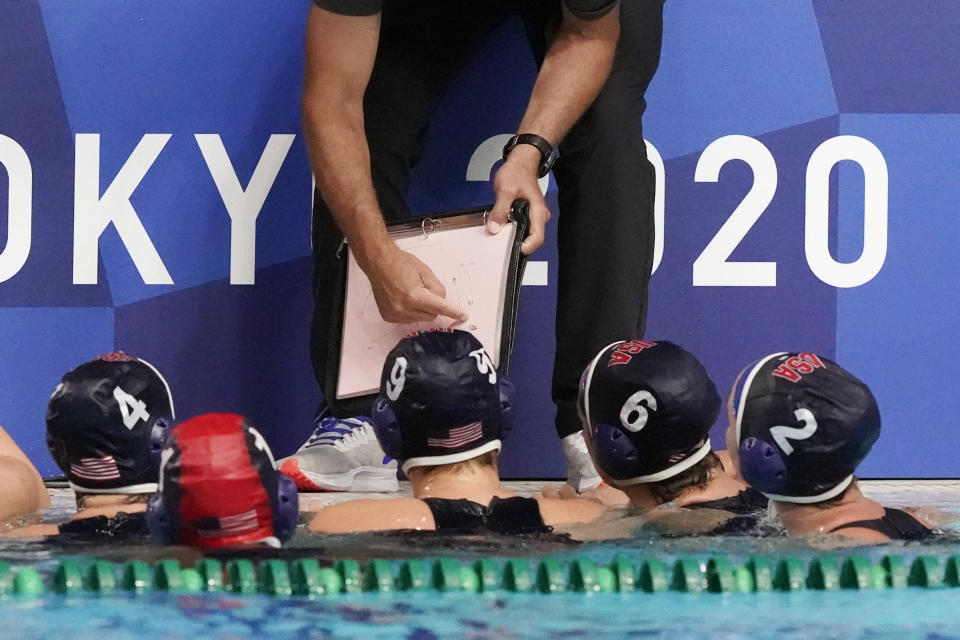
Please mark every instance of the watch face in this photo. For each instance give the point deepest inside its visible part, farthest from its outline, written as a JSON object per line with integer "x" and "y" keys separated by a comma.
{"x": 547, "y": 164}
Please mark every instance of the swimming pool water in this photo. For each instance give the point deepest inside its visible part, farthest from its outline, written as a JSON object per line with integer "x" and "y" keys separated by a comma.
{"x": 929, "y": 614}
{"x": 907, "y": 614}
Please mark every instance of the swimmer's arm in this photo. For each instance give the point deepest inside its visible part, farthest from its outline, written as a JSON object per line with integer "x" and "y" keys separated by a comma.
{"x": 933, "y": 518}
{"x": 670, "y": 520}
{"x": 34, "y": 531}
{"x": 727, "y": 463}
{"x": 604, "y": 494}
{"x": 614, "y": 524}
{"x": 339, "y": 59}
{"x": 374, "y": 515}
{"x": 562, "y": 511}
{"x": 21, "y": 487}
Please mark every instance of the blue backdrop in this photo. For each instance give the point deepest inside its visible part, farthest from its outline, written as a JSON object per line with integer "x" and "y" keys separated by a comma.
{"x": 156, "y": 196}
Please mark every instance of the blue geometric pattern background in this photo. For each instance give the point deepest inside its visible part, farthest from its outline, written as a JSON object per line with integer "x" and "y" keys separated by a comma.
{"x": 791, "y": 75}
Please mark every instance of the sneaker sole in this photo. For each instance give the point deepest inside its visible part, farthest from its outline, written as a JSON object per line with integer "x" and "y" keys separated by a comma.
{"x": 360, "y": 479}
{"x": 580, "y": 485}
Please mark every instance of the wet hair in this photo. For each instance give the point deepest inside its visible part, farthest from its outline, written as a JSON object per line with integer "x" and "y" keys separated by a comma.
{"x": 696, "y": 477}
{"x": 488, "y": 459}
{"x": 125, "y": 498}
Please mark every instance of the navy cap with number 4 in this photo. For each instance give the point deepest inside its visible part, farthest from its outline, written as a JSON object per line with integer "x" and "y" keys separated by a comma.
{"x": 106, "y": 423}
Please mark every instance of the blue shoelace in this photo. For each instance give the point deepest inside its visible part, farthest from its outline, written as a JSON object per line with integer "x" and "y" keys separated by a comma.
{"x": 331, "y": 430}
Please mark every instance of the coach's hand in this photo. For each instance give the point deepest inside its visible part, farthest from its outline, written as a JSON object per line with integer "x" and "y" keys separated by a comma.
{"x": 517, "y": 178}
{"x": 406, "y": 290}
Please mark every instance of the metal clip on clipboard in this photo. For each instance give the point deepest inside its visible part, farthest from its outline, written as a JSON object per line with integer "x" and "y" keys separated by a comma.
{"x": 428, "y": 225}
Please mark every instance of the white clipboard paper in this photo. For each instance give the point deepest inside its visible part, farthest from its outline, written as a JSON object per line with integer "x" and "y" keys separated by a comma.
{"x": 481, "y": 274}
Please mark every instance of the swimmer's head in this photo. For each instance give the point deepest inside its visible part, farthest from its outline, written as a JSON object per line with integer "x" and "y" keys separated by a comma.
{"x": 441, "y": 400}
{"x": 800, "y": 425}
{"x": 219, "y": 487}
{"x": 106, "y": 425}
{"x": 646, "y": 409}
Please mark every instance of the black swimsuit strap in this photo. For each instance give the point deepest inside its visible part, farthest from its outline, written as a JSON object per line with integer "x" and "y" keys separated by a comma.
{"x": 504, "y": 515}
{"x": 120, "y": 527}
{"x": 516, "y": 515}
{"x": 456, "y": 514}
{"x": 896, "y": 524}
{"x": 748, "y": 501}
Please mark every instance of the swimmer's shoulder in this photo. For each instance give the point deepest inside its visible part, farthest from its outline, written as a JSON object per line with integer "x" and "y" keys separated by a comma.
{"x": 373, "y": 515}
{"x": 669, "y": 520}
{"x": 862, "y": 533}
{"x": 556, "y": 511}
{"x": 23, "y": 491}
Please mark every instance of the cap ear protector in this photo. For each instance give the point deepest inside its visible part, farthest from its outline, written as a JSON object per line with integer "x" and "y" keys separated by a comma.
{"x": 158, "y": 438}
{"x": 285, "y": 516}
{"x": 763, "y": 463}
{"x": 616, "y": 454}
{"x": 58, "y": 451}
{"x": 158, "y": 520}
{"x": 758, "y": 459}
{"x": 387, "y": 428}
{"x": 505, "y": 389}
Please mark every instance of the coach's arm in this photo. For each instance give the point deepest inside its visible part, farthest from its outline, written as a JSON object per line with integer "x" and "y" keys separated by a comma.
{"x": 574, "y": 70}
{"x": 340, "y": 55}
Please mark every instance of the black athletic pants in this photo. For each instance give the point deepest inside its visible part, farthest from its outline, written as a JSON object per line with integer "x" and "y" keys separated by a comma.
{"x": 605, "y": 182}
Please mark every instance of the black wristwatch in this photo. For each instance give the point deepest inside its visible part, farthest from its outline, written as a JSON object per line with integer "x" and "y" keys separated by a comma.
{"x": 548, "y": 155}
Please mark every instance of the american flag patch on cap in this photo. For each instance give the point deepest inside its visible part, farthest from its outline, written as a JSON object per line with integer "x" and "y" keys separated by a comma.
{"x": 458, "y": 436}
{"x": 104, "y": 468}
{"x": 226, "y": 525}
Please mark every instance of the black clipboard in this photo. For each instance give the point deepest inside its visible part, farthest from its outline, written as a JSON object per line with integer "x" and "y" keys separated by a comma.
{"x": 353, "y": 404}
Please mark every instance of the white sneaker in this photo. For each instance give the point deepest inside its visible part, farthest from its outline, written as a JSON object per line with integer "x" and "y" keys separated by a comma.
{"x": 581, "y": 473}
{"x": 342, "y": 455}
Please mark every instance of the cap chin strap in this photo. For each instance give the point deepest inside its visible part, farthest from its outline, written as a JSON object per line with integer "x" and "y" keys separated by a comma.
{"x": 746, "y": 388}
{"x": 669, "y": 472}
{"x": 427, "y": 461}
{"x": 589, "y": 380}
{"x": 147, "y": 487}
{"x": 166, "y": 385}
{"x": 270, "y": 541}
{"x": 826, "y": 495}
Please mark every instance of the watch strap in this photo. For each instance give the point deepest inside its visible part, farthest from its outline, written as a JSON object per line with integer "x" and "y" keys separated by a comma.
{"x": 547, "y": 152}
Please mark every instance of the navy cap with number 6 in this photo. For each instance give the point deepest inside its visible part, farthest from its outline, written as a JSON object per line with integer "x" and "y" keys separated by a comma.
{"x": 646, "y": 408}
